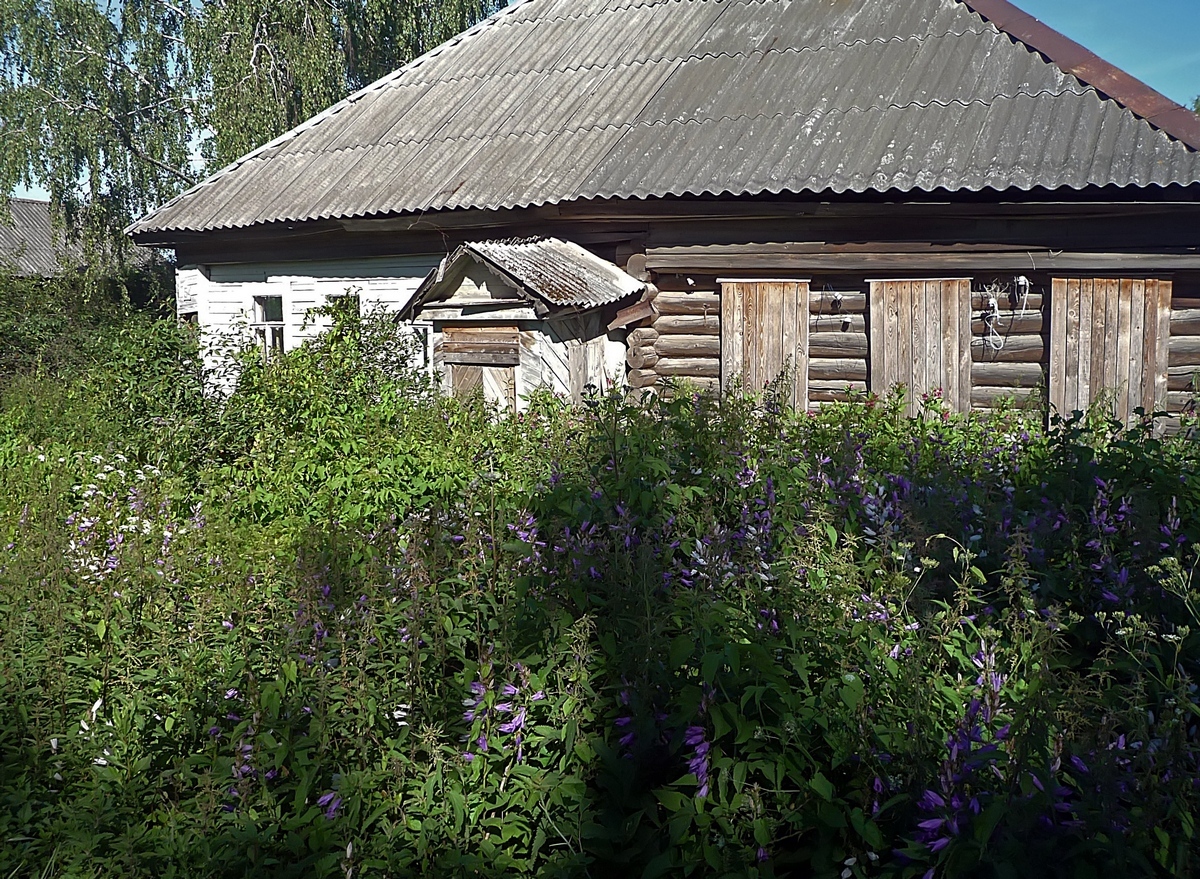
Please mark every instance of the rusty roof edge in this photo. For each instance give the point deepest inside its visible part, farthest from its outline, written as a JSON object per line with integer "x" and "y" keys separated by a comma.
{"x": 1127, "y": 90}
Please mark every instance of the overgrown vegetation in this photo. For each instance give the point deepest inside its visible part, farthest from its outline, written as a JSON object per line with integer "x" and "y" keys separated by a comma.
{"x": 339, "y": 625}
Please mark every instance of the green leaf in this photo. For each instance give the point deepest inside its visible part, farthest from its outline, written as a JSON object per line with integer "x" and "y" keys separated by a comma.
{"x": 822, "y": 785}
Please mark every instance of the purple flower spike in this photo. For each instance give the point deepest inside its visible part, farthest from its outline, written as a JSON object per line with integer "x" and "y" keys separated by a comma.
{"x": 332, "y": 810}
{"x": 515, "y": 724}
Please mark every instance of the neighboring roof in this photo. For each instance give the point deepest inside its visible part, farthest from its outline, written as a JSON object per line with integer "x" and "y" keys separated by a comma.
{"x": 558, "y": 100}
{"x": 560, "y": 273}
{"x": 30, "y": 245}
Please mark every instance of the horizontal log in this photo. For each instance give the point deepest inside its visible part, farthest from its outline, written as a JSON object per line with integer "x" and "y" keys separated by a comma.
{"x": 642, "y": 336}
{"x": 641, "y": 358}
{"x": 1183, "y": 378}
{"x": 1185, "y": 321}
{"x": 1007, "y": 301}
{"x": 698, "y": 367}
{"x": 768, "y": 258}
{"x": 688, "y": 346}
{"x": 837, "y": 345}
{"x": 837, "y": 323}
{"x": 827, "y": 302}
{"x": 989, "y": 398}
{"x": 691, "y": 324}
{"x": 1185, "y": 302}
{"x": 1185, "y": 351}
{"x": 827, "y": 392}
{"x": 1011, "y": 323}
{"x": 688, "y": 303}
{"x": 1008, "y": 375}
{"x": 641, "y": 378}
{"x": 1182, "y": 401}
{"x": 1017, "y": 349}
{"x": 837, "y": 369}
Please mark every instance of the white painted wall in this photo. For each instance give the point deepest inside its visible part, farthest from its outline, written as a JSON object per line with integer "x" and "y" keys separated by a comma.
{"x": 222, "y": 296}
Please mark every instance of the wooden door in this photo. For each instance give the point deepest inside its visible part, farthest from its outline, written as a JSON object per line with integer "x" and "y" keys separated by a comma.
{"x": 483, "y": 358}
{"x": 1109, "y": 336}
{"x": 921, "y": 338}
{"x": 764, "y": 330}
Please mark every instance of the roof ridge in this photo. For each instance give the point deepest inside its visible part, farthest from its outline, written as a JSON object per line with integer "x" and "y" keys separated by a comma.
{"x": 1123, "y": 88}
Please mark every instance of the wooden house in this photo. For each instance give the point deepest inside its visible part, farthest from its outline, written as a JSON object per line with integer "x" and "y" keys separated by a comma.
{"x": 941, "y": 194}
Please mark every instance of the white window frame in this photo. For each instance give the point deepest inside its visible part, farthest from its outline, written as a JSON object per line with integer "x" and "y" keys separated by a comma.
{"x": 269, "y": 334}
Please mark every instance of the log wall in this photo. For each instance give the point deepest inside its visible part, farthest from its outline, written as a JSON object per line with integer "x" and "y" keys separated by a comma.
{"x": 838, "y": 347}
{"x": 1010, "y": 351}
{"x": 683, "y": 339}
{"x": 1183, "y": 370}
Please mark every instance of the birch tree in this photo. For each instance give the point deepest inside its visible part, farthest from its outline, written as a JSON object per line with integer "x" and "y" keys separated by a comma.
{"x": 115, "y": 106}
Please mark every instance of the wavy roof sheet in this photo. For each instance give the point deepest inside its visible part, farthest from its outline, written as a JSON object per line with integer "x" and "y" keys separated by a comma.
{"x": 30, "y": 246}
{"x": 557, "y": 100}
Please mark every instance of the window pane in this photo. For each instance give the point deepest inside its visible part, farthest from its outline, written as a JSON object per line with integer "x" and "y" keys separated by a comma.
{"x": 268, "y": 309}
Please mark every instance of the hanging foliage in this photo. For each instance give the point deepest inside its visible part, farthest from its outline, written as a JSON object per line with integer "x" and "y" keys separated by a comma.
{"x": 115, "y": 107}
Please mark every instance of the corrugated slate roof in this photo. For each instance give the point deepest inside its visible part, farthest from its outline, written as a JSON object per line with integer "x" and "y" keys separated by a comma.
{"x": 557, "y": 100}
{"x": 30, "y": 246}
{"x": 560, "y": 272}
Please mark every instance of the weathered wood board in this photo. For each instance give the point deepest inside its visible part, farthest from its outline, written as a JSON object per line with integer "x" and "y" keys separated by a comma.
{"x": 764, "y": 330}
{"x": 921, "y": 338}
{"x": 1111, "y": 337}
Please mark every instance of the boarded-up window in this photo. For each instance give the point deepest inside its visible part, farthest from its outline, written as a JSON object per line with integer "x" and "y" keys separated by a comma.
{"x": 483, "y": 358}
{"x": 764, "y": 330}
{"x": 921, "y": 338}
{"x": 1109, "y": 335}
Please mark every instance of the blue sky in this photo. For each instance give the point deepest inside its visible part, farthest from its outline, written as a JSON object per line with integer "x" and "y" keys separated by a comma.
{"x": 1158, "y": 41}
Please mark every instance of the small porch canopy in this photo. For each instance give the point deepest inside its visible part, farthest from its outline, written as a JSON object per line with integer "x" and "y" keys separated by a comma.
{"x": 548, "y": 274}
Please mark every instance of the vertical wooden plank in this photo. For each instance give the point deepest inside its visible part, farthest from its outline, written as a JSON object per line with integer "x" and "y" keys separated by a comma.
{"x": 1162, "y": 341}
{"x": 916, "y": 306}
{"x": 935, "y": 359}
{"x": 1122, "y": 372}
{"x": 947, "y": 296}
{"x": 962, "y": 306}
{"x": 1071, "y": 328}
{"x": 772, "y": 305}
{"x": 1150, "y": 349}
{"x": 1112, "y": 325}
{"x": 752, "y": 340}
{"x": 801, "y": 355}
{"x": 1137, "y": 341}
{"x": 576, "y": 368}
{"x": 789, "y": 327}
{"x": 1087, "y": 297}
{"x": 1058, "y": 344}
{"x": 905, "y": 336}
{"x": 877, "y": 326}
{"x": 729, "y": 352}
